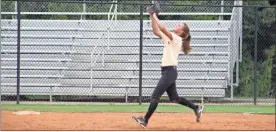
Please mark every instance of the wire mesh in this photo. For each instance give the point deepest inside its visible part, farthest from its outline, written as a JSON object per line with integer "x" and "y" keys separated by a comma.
{"x": 74, "y": 60}
{"x": 265, "y": 25}
{"x": 0, "y": 66}
{"x": 90, "y": 52}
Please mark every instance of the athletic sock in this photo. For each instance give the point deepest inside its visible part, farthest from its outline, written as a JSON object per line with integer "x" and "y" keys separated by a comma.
{"x": 187, "y": 103}
{"x": 152, "y": 107}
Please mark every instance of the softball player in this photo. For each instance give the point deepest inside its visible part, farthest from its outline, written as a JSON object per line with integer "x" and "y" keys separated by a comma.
{"x": 174, "y": 43}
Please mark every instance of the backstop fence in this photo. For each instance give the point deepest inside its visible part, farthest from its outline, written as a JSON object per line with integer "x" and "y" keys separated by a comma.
{"x": 105, "y": 51}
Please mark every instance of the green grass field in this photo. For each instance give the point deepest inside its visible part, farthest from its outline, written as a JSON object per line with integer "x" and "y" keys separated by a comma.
{"x": 267, "y": 109}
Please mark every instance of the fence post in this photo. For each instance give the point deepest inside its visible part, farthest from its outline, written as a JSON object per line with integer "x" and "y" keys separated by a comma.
{"x": 221, "y": 9}
{"x": 141, "y": 55}
{"x": 18, "y": 52}
{"x": 255, "y": 56}
{"x": 83, "y": 17}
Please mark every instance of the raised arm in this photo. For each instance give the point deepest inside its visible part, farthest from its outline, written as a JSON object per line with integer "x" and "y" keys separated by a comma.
{"x": 161, "y": 26}
{"x": 155, "y": 28}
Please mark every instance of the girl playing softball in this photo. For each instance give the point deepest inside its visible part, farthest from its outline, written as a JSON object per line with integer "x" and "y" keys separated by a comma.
{"x": 174, "y": 43}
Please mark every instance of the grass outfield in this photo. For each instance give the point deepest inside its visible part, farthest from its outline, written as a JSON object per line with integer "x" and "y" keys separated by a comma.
{"x": 137, "y": 108}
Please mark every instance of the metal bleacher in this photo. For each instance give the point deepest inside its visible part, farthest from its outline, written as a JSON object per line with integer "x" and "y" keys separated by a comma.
{"x": 58, "y": 57}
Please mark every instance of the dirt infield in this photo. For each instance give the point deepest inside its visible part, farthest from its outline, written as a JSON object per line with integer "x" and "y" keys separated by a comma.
{"x": 123, "y": 121}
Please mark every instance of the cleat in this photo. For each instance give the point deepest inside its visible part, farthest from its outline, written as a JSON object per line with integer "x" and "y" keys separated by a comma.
{"x": 198, "y": 113}
{"x": 141, "y": 121}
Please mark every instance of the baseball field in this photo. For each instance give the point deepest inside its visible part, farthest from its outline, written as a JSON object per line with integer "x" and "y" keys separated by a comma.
{"x": 118, "y": 117}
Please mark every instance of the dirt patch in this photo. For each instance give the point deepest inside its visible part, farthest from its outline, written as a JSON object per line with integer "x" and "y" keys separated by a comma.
{"x": 123, "y": 121}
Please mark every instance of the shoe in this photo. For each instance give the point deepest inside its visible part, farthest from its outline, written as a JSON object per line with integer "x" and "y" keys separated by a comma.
{"x": 198, "y": 113}
{"x": 141, "y": 121}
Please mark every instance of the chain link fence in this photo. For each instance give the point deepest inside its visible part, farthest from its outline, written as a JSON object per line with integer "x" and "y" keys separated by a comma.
{"x": 256, "y": 77}
{"x": 90, "y": 51}
{"x": 0, "y": 68}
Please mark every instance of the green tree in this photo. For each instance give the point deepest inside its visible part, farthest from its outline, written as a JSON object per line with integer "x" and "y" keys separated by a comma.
{"x": 246, "y": 76}
{"x": 266, "y": 50}
{"x": 273, "y": 78}
{"x": 265, "y": 78}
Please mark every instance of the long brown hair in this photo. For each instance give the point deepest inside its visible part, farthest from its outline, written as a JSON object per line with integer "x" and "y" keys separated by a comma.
{"x": 186, "y": 39}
